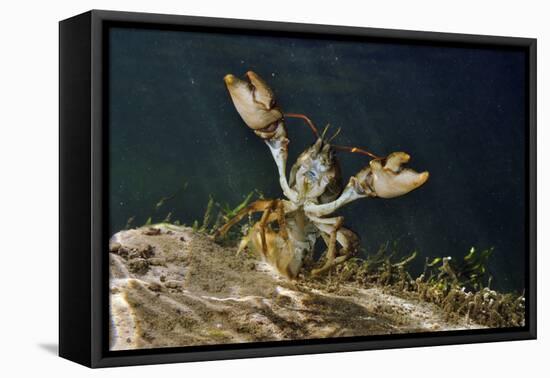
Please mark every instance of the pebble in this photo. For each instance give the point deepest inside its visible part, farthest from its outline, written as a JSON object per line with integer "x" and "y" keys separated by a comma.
{"x": 148, "y": 251}
{"x": 134, "y": 253}
{"x": 138, "y": 266}
{"x": 144, "y": 253}
{"x": 154, "y": 286}
{"x": 173, "y": 284}
{"x": 157, "y": 261}
{"x": 123, "y": 252}
{"x": 151, "y": 231}
{"x": 114, "y": 247}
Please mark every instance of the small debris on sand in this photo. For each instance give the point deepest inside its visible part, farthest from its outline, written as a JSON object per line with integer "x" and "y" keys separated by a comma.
{"x": 151, "y": 231}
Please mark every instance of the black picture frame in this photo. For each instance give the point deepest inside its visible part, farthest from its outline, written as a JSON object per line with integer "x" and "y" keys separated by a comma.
{"x": 83, "y": 273}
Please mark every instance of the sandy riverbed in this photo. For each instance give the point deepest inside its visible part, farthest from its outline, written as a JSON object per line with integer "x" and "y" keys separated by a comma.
{"x": 172, "y": 286}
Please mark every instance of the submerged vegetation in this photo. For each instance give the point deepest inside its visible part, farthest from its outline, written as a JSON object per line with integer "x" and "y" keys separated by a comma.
{"x": 215, "y": 213}
{"x": 460, "y": 288}
{"x": 224, "y": 212}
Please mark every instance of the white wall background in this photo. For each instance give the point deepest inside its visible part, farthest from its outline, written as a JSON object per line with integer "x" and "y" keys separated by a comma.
{"x": 29, "y": 186}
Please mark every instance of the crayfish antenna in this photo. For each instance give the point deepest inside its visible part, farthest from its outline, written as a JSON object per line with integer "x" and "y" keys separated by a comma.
{"x": 324, "y": 133}
{"x": 356, "y": 150}
{"x": 305, "y": 118}
{"x": 335, "y": 135}
{"x": 313, "y": 128}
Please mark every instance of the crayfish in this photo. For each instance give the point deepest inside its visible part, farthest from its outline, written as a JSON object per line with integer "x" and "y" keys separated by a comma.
{"x": 289, "y": 228}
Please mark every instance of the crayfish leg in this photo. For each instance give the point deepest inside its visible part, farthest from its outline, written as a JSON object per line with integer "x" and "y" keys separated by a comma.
{"x": 343, "y": 236}
{"x": 254, "y": 207}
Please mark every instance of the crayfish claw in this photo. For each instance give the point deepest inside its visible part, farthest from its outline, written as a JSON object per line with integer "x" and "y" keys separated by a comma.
{"x": 388, "y": 178}
{"x": 255, "y": 103}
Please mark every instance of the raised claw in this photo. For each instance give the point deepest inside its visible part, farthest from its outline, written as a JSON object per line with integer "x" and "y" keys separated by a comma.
{"x": 256, "y": 105}
{"x": 384, "y": 178}
{"x": 387, "y": 178}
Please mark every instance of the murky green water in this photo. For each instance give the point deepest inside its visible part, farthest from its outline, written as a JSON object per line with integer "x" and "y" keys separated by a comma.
{"x": 459, "y": 112}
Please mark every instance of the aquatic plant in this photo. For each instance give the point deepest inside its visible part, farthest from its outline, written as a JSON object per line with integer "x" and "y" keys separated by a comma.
{"x": 210, "y": 223}
{"x": 207, "y": 213}
{"x": 163, "y": 200}
{"x": 229, "y": 212}
{"x": 129, "y": 223}
{"x": 455, "y": 286}
{"x": 156, "y": 208}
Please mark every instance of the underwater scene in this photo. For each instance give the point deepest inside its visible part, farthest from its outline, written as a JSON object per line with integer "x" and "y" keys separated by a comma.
{"x": 275, "y": 188}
